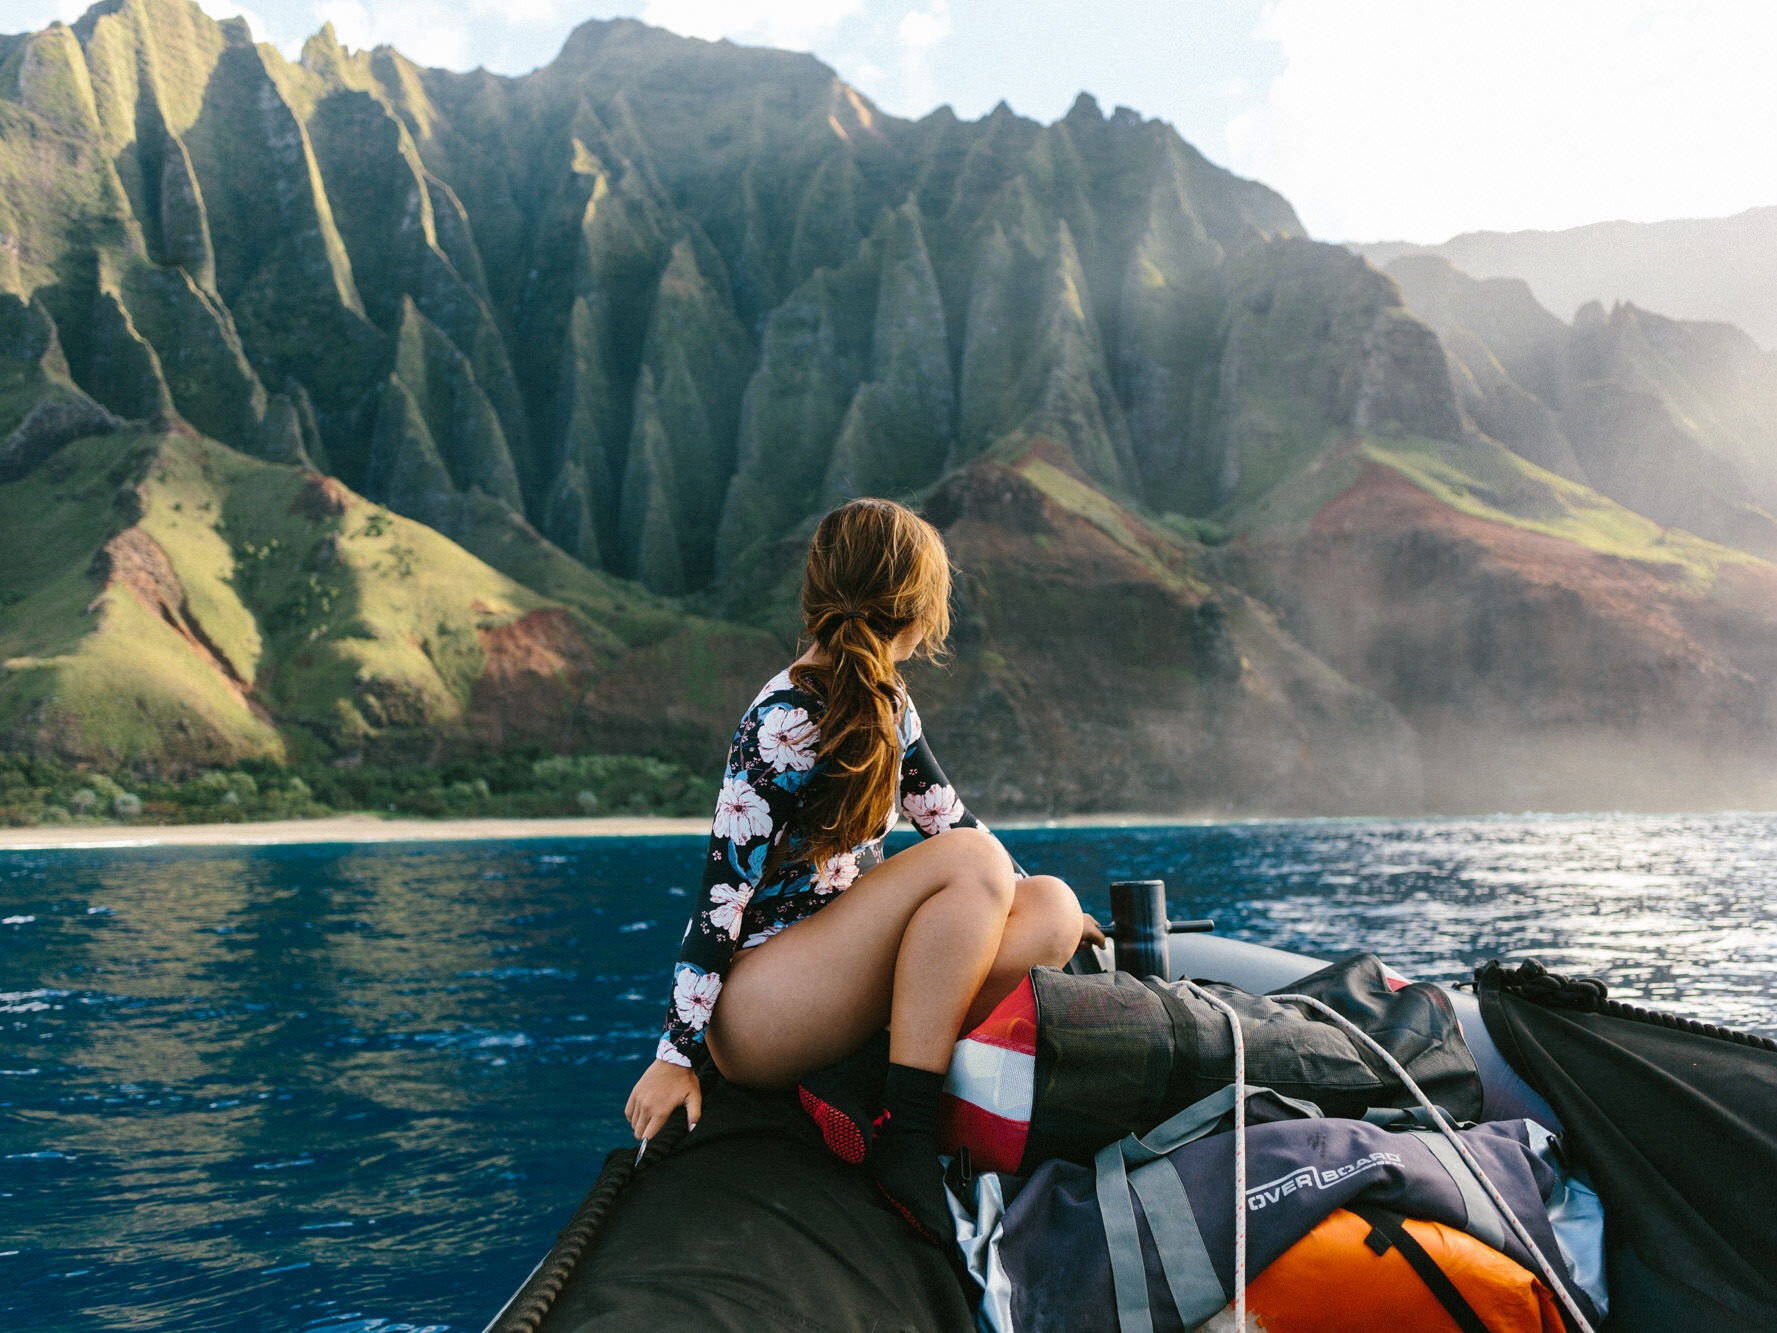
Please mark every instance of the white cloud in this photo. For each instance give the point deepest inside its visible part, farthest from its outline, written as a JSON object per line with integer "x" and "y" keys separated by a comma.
{"x": 35, "y": 15}
{"x": 887, "y": 47}
{"x": 868, "y": 75}
{"x": 792, "y": 24}
{"x": 31, "y": 15}
{"x": 428, "y": 32}
{"x": 921, "y": 32}
{"x": 924, "y": 28}
{"x": 531, "y": 12}
{"x": 1421, "y": 118}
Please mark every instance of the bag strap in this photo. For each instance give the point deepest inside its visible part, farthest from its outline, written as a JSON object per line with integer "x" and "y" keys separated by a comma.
{"x": 1198, "y": 1119}
{"x": 1403, "y": 1117}
{"x": 1129, "y": 1278}
{"x": 1190, "y": 1124}
{"x": 1184, "y": 1259}
{"x": 1388, "y": 1228}
{"x": 1484, "y": 1222}
{"x": 1197, "y": 1292}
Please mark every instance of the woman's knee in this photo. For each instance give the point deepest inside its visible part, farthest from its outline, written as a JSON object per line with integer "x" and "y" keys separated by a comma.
{"x": 1053, "y": 913}
{"x": 976, "y": 855}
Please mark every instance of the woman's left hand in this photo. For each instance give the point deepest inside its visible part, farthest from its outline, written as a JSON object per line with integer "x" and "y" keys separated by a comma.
{"x": 1090, "y": 931}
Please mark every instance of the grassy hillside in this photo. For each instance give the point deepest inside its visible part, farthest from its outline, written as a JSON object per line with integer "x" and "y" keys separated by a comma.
{"x": 1491, "y": 483}
{"x": 173, "y": 602}
{"x": 167, "y": 587}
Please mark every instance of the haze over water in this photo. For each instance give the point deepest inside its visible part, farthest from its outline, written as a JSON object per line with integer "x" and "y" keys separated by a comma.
{"x": 360, "y": 1088}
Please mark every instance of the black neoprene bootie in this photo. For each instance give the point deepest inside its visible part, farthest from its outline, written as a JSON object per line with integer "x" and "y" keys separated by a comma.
{"x": 842, "y": 1099}
{"x": 904, "y": 1157}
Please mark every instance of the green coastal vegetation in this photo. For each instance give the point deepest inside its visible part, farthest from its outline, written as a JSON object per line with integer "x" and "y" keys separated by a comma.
{"x": 512, "y": 785}
{"x": 374, "y": 435}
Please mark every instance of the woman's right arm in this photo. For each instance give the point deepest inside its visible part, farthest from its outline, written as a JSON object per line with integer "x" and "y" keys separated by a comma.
{"x": 662, "y": 1089}
{"x": 670, "y": 1081}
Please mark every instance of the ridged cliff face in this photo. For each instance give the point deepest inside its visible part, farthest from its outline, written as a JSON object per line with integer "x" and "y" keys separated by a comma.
{"x": 617, "y": 331}
{"x": 662, "y": 298}
{"x": 1675, "y": 420}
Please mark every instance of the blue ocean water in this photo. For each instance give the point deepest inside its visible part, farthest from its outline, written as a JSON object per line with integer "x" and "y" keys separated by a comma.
{"x": 354, "y": 1088}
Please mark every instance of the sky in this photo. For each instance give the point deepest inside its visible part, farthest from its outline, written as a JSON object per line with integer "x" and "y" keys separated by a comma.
{"x": 1378, "y": 119}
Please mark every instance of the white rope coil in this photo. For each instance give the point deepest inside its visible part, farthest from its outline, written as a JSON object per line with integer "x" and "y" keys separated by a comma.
{"x": 1455, "y": 1139}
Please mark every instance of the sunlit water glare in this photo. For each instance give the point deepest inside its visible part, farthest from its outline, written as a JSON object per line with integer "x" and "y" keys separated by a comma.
{"x": 359, "y": 1089}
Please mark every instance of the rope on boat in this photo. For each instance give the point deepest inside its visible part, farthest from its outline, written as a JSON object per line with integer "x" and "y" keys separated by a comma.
{"x": 1617, "y": 1009}
{"x": 1462, "y": 1149}
{"x": 1239, "y": 1147}
{"x": 525, "y": 1312}
{"x": 1554, "y": 990}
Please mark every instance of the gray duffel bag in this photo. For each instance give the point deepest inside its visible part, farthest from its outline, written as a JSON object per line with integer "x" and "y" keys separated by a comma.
{"x": 1118, "y": 1054}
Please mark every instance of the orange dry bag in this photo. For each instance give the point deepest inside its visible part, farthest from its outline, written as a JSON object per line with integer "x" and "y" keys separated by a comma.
{"x": 1355, "y": 1274}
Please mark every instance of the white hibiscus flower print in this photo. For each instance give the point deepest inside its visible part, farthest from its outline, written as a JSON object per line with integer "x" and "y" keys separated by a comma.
{"x": 837, "y": 874}
{"x": 754, "y": 940}
{"x": 776, "y": 685}
{"x": 670, "y": 1053}
{"x": 787, "y": 739}
{"x": 934, "y": 809}
{"x": 694, "y": 996}
{"x": 729, "y": 901}
{"x": 741, "y": 813}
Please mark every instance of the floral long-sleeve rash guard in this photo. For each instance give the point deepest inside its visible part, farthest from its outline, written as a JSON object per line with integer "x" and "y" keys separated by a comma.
{"x": 770, "y": 762}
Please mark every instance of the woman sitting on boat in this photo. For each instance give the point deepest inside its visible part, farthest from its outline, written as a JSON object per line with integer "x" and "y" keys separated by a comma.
{"x": 806, "y": 942}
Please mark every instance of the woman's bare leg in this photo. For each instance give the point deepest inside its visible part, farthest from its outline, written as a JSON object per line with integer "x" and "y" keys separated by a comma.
{"x": 1042, "y": 931}
{"x": 933, "y": 930}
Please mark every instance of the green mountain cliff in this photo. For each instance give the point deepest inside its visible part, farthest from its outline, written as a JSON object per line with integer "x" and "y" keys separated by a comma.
{"x": 1675, "y": 420}
{"x": 356, "y": 410}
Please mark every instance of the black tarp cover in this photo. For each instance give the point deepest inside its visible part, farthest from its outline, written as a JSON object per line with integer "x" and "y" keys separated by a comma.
{"x": 749, "y": 1225}
{"x": 1678, "y": 1130}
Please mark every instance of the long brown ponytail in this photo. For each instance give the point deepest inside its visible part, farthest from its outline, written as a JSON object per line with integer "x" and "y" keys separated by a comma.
{"x": 874, "y": 569}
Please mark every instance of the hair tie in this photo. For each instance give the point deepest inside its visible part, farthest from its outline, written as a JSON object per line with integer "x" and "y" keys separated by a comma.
{"x": 851, "y": 615}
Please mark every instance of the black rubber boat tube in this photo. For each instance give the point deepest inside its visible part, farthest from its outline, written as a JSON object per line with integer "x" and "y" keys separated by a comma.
{"x": 531, "y": 1303}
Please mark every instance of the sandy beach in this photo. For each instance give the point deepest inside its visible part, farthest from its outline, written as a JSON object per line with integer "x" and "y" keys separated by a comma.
{"x": 371, "y": 828}
{"x": 337, "y": 828}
